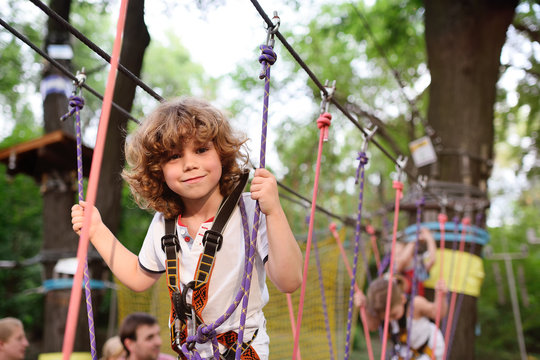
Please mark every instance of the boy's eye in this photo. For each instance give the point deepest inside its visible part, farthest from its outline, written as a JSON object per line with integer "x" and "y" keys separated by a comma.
{"x": 202, "y": 149}
{"x": 174, "y": 156}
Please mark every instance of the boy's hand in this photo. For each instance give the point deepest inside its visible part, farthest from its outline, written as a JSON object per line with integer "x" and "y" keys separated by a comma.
{"x": 77, "y": 218}
{"x": 264, "y": 189}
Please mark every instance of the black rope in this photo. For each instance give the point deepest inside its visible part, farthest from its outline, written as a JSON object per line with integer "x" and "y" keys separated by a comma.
{"x": 62, "y": 68}
{"x": 312, "y": 76}
{"x": 95, "y": 48}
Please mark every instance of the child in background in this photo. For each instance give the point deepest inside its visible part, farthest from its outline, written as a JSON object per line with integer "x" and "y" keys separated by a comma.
{"x": 13, "y": 342}
{"x": 183, "y": 161}
{"x": 404, "y": 260}
{"x": 423, "y": 332}
{"x": 113, "y": 349}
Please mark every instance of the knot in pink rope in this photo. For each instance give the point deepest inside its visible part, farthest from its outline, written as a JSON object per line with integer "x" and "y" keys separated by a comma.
{"x": 398, "y": 185}
{"x": 466, "y": 221}
{"x": 323, "y": 122}
{"x": 442, "y": 218}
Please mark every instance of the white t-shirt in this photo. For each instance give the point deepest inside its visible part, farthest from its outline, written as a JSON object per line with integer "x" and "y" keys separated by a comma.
{"x": 226, "y": 276}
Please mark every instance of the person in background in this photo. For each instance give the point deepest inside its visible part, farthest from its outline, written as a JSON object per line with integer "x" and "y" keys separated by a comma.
{"x": 13, "y": 342}
{"x": 113, "y": 349}
{"x": 140, "y": 336}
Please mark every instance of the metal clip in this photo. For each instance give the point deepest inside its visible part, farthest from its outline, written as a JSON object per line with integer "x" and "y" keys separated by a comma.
{"x": 78, "y": 83}
{"x": 272, "y": 30}
{"x": 327, "y": 96}
{"x": 422, "y": 181}
{"x": 367, "y": 137}
{"x": 401, "y": 162}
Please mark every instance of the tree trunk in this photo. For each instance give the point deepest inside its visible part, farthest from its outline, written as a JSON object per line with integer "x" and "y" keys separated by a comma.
{"x": 464, "y": 39}
{"x": 135, "y": 41}
{"x": 59, "y": 188}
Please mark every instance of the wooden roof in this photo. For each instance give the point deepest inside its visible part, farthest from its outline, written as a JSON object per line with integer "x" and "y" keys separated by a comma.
{"x": 54, "y": 151}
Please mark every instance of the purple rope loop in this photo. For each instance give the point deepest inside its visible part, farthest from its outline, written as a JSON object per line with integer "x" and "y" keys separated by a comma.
{"x": 358, "y": 248}
{"x": 204, "y": 334}
{"x": 268, "y": 58}
{"x": 76, "y": 103}
{"x": 363, "y": 161}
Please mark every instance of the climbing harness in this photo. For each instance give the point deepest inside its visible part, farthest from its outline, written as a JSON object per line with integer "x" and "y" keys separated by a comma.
{"x": 401, "y": 340}
{"x": 182, "y": 313}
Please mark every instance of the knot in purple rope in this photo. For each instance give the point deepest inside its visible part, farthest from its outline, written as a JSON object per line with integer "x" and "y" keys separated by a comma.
{"x": 76, "y": 103}
{"x": 268, "y": 57}
{"x": 420, "y": 202}
{"x": 204, "y": 334}
{"x": 363, "y": 161}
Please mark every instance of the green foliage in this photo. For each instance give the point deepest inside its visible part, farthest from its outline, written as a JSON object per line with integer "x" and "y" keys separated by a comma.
{"x": 20, "y": 240}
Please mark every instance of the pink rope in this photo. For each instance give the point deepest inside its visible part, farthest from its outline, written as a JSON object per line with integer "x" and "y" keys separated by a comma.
{"x": 438, "y": 292}
{"x": 75, "y": 298}
{"x": 323, "y": 123}
{"x": 371, "y": 231}
{"x": 399, "y": 188}
{"x": 464, "y": 223}
{"x": 291, "y": 317}
{"x": 356, "y": 288}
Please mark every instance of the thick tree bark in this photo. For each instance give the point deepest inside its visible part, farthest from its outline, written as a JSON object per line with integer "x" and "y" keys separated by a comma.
{"x": 135, "y": 41}
{"x": 59, "y": 188}
{"x": 464, "y": 40}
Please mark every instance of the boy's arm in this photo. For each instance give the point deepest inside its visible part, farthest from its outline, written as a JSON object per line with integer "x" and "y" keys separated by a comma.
{"x": 284, "y": 265}
{"x": 123, "y": 263}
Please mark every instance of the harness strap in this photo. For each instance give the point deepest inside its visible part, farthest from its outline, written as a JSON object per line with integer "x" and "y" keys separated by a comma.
{"x": 230, "y": 340}
{"x": 212, "y": 240}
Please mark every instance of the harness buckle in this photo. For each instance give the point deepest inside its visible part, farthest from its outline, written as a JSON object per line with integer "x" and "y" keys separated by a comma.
{"x": 170, "y": 240}
{"x": 214, "y": 237}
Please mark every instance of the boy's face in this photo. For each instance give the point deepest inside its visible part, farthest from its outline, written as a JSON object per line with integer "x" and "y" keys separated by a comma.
{"x": 194, "y": 172}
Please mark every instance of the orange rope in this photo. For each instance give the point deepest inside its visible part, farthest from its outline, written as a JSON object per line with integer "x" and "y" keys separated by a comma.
{"x": 465, "y": 222}
{"x": 399, "y": 188}
{"x": 439, "y": 293}
{"x": 356, "y": 288}
{"x": 75, "y": 298}
{"x": 323, "y": 123}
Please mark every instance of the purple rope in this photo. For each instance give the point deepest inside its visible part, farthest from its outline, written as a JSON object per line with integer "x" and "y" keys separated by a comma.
{"x": 358, "y": 245}
{"x": 451, "y": 273}
{"x": 77, "y": 103}
{"x": 205, "y": 332}
{"x": 419, "y": 205}
{"x": 479, "y": 217}
{"x": 323, "y": 296}
{"x": 267, "y": 59}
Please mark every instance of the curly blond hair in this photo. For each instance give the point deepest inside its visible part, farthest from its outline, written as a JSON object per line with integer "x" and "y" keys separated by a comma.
{"x": 168, "y": 128}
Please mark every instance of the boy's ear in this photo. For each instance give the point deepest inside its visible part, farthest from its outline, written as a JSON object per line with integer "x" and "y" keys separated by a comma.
{"x": 403, "y": 299}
